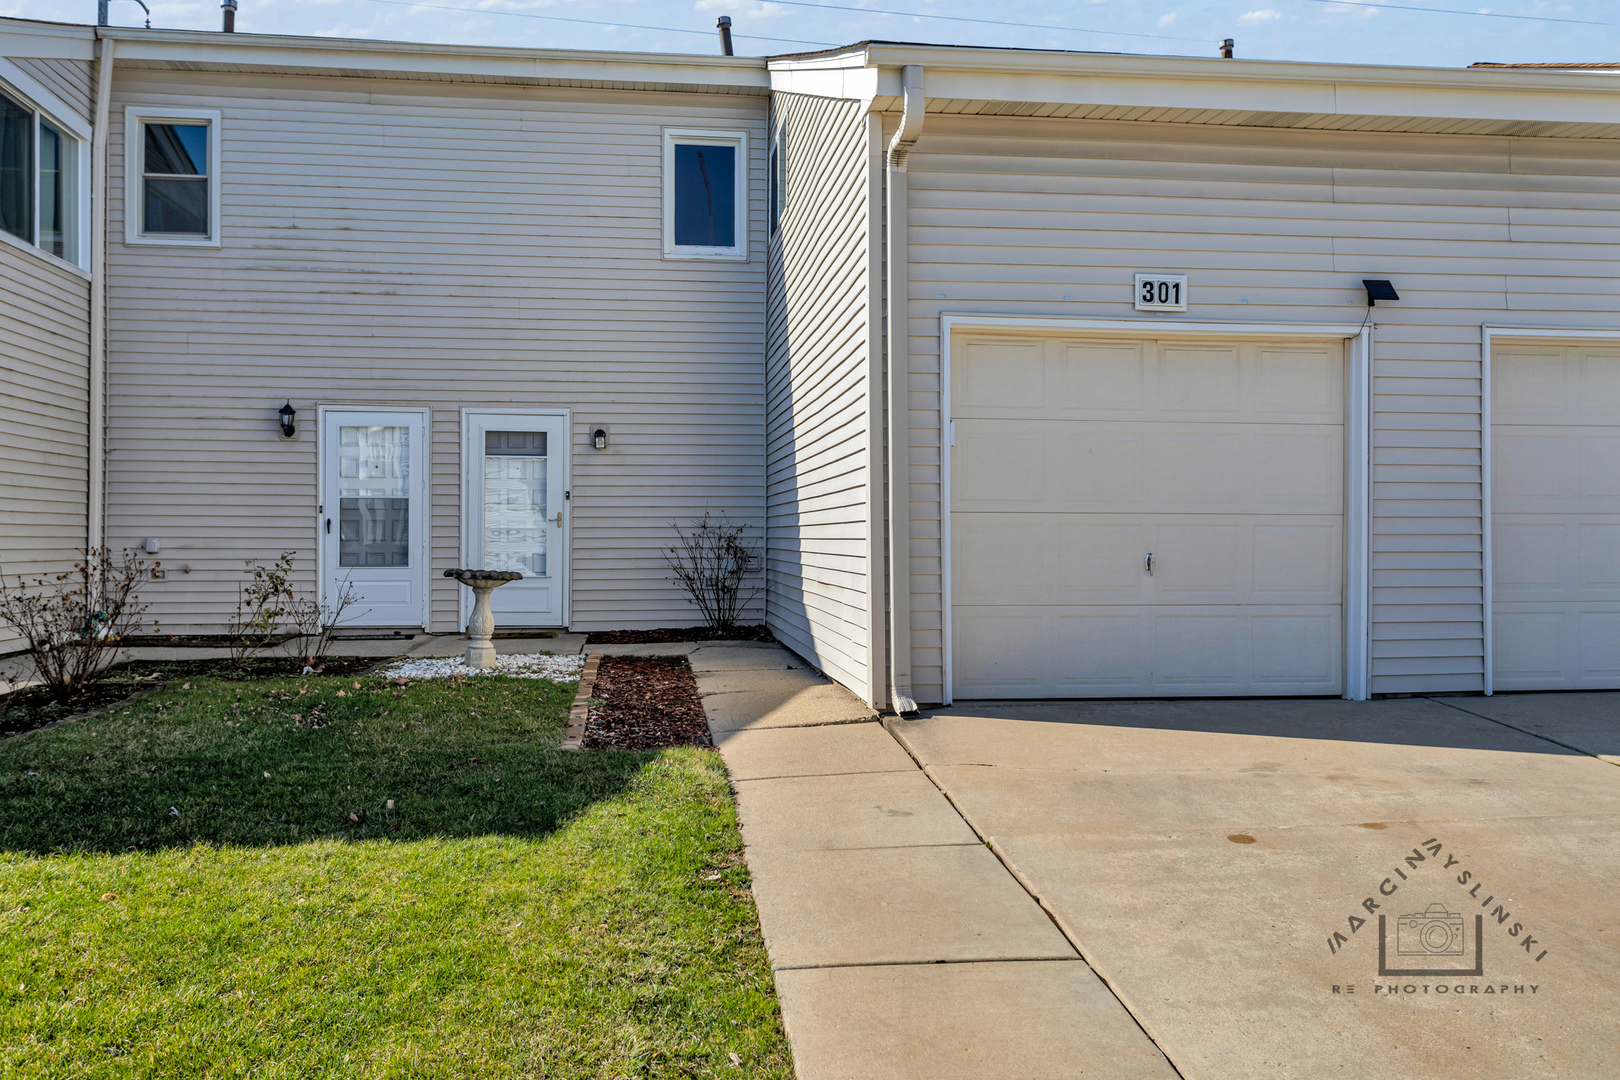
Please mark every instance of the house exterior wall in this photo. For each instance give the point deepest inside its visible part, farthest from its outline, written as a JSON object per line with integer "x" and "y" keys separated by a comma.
{"x": 446, "y": 245}
{"x": 44, "y": 363}
{"x": 821, "y": 410}
{"x": 1048, "y": 217}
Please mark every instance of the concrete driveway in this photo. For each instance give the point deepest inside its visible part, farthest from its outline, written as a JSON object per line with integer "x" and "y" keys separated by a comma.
{"x": 1225, "y": 866}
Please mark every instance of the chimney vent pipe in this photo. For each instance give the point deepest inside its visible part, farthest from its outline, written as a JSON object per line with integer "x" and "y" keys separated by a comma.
{"x": 724, "y": 23}
{"x": 227, "y": 9}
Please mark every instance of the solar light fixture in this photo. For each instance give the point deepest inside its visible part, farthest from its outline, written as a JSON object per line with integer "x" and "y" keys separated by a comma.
{"x": 287, "y": 412}
{"x": 1378, "y": 289}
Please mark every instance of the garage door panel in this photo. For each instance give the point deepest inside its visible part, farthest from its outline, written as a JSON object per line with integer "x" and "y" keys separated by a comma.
{"x": 1555, "y": 434}
{"x": 1200, "y": 381}
{"x": 1225, "y": 460}
{"x": 1297, "y": 651}
{"x": 1300, "y": 562}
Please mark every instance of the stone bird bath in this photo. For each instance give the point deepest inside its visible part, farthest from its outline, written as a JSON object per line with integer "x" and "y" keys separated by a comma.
{"x": 481, "y": 627}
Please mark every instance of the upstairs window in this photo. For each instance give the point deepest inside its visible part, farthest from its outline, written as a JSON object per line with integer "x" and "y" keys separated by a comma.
{"x": 172, "y": 162}
{"x": 40, "y": 181}
{"x": 705, "y": 194}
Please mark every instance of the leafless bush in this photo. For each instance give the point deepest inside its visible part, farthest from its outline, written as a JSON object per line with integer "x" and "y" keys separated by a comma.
{"x": 261, "y": 606}
{"x": 75, "y": 621}
{"x": 712, "y": 563}
{"x": 315, "y": 622}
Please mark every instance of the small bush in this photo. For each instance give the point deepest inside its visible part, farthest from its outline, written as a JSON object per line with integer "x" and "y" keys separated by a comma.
{"x": 75, "y": 621}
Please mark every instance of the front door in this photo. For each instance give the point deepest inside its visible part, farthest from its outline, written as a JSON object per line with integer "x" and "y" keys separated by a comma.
{"x": 374, "y": 516}
{"x": 516, "y": 492}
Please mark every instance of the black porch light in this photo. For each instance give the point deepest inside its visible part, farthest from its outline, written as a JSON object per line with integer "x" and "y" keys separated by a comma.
{"x": 287, "y": 412}
{"x": 599, "y": 438}
{"x": 1378, "y": 289}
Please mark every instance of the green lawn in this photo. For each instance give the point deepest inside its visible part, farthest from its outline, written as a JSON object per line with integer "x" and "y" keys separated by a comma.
{"x": 210, "y": 882}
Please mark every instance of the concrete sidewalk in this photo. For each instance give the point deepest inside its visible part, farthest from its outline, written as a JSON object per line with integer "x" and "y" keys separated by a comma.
{"x": 901, "y": 946}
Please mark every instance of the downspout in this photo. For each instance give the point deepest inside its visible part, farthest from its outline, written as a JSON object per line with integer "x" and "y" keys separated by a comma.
{"x": 911, "y": 123}
{"x": 96, "y": 525}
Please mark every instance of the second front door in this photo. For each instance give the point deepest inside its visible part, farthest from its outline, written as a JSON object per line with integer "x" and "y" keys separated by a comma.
{"x": 515, "y": 498}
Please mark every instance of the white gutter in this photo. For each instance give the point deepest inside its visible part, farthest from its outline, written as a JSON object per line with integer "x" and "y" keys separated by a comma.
{"x": 96, "y": 523}
{"x": 911, "y": 123}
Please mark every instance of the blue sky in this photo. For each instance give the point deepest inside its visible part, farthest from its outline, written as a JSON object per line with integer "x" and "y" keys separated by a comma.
{"x": 1445, "y": 33}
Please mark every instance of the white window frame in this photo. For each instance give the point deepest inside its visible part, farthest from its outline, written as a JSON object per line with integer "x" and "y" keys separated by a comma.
{"x": 27, "y": 91}
{"x": 674, "y": 137}
{"x": 135, "y": 118}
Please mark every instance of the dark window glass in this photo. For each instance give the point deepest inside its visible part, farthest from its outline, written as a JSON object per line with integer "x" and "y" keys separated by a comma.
{"x": 705, "y": 196}
{"x": 374, "y": 532}
{"x": 515, "y": 443}
{"x": 176, "y": 179}
{"x": 177, "y": 149}
{"x": 16, "y": 169}
{"x": 53, "y": 191}
{"x": 177, "y": 206}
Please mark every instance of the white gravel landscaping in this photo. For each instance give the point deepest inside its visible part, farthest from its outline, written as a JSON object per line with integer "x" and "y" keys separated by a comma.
{"x": 519, "y": 666}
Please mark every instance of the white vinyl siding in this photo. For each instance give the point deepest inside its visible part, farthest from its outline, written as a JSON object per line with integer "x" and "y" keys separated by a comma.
{"x": 394, "y": 245}
{"x": 818, "y": 386}
{"x": 44, "y": 405}
{"x": 71, "y": 80}
{"x": 1042, "y": 217}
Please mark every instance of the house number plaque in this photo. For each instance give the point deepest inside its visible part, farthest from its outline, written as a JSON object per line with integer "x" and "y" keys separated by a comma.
{"x": 1161, "y": 292}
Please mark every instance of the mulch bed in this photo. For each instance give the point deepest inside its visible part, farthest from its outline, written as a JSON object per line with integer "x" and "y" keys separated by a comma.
{"x": 645, "y": 703}
{"x": 37, "y": 706}
{"x": 669, "y": 634}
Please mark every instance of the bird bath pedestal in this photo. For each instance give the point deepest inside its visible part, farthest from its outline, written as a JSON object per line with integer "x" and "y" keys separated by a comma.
{"x": 481, "y": 627}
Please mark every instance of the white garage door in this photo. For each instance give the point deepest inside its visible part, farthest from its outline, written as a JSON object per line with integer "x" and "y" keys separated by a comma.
{"x": 1075, "y": 458}
{"x": 1555, "y": 510}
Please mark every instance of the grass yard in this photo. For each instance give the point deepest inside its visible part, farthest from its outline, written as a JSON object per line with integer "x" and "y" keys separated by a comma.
{"x": 304, "y": 877}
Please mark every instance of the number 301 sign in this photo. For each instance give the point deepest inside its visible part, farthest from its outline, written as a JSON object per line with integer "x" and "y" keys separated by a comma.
{"x": 1161, "y": 292}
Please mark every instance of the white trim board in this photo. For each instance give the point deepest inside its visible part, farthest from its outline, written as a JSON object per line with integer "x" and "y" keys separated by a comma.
{"x": 1487, "y": 334}
{"x": 134, "y": 173}
{"x": 1358, "y": 425}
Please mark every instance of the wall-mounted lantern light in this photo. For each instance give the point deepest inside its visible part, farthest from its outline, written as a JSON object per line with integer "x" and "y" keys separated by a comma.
{"x": 599, "y": 438}
{"x": 1377, "y": 290}
{"x": 287, "y": 413}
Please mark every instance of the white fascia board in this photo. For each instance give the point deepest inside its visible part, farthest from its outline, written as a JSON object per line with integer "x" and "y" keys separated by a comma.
{"x": 23, "y": 38}
{"x": 1268, "y": 86}
{"x": 304, "y": 55}
{"x": 855, "y": 82}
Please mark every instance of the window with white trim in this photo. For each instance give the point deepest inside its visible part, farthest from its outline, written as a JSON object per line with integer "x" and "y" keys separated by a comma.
{"x": 705, "y": 194}
{"x": 171, "y": 166}
{"x": 778, "y": 179}
{"x": 41, "y": 180}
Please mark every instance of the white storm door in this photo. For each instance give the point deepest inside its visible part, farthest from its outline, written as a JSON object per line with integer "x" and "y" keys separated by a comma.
{"x": 515, "y": 487}
{"x": 374, "y": 515}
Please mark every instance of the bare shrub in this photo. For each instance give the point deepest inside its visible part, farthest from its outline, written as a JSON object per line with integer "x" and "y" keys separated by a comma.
{"x": 261, "y": 606}
{"x": 75, "y": 621}
{"x": 712, "y": 563}
{"x": 315, "y": 622}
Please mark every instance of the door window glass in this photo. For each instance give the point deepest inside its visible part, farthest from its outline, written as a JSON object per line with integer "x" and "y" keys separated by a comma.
{"x": 374, "y": 506}
{"x": 515, "y": 501}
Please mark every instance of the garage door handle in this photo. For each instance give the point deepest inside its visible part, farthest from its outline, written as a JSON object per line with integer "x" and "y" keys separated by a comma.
{"x": 1148, "y": 563}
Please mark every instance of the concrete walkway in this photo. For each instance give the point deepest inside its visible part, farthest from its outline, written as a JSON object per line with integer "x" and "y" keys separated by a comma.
{"x": 1153, "y": 889}
{"x": 902, "y": 948}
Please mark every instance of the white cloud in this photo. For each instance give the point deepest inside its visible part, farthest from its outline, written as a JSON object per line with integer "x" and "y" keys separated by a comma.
{"x": 1264, "y": 15}
{"x": 752, "y": 9}
{"x": 1167, "y": 20}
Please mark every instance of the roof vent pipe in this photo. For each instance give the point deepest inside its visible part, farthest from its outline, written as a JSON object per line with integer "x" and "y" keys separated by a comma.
{"x": 724, "y": 23}
{"x": 1227, "y": 44}
{"x": 227, "y": 10}
{"x": 101, "y": 12}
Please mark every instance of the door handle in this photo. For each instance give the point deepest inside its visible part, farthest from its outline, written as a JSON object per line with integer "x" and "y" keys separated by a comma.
{"x": 559, "y": 519}
{"x": 1148, "y": 563}
{"x": 329, "y": 526}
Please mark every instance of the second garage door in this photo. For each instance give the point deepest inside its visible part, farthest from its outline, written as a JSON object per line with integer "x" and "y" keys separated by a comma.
{"x": 1076, "y": 459}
